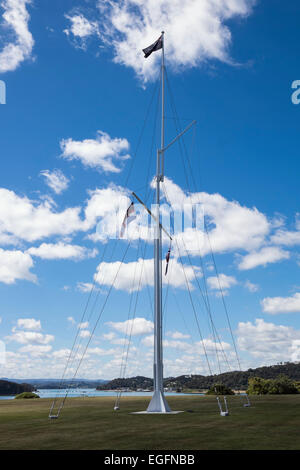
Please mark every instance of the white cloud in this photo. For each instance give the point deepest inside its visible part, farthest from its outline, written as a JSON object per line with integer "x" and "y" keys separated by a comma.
{"x": 62, "y": 251}
{"x": 138, "y": 274}
{"x": 84, "y": 334}
{"x": 23, "y": 219}
{"x": 285, "y": 237}
{"x": 102, "y": 352}
{"x": 195, "y": 31}
{"x": 36, "y": 350}
{"x": 15, "y": 265}
{"x": 223, "y": 281}
{"x": 83, "y": 326}
{"x": 84, "y": 286}
{"x": 61, "y": 354}
{"x": 29, "y": 324}
{"x": 177, "y": 335}
{"x": 268, "y": 254}
{"x": 81, "y": 28}
{"x": 100, "y": 153}
{"x": 109, "y": 336}
{"x": 230, "y": 225}
{"x": 251, "y": 287}
{"x": 30, "y": 337}
{"x": 19, "y": 44}
{"x": 269, "y": 342}
{"x": 137, "y": 326}
{"x": 56, "y": 180}
{"x": 276, "y": 305}
{"x": 193, "y": 349}
{"x": 71, "y": 320}
{"x": 148, "y": 341}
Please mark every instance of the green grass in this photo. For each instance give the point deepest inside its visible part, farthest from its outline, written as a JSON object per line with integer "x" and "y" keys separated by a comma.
{"x": 90, "y": 423}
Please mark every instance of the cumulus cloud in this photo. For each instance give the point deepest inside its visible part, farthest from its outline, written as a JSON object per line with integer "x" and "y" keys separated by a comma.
{"x": 30, "y": 337}
{"x": 137, "y": 326}
{"x": 269, "y": 342}
{"x": 19, "y": 44}
{"x": 286, "y": 237}
{"x": 101, "y": 153}
{"x": 81, "y": 29}
{"x": 81, "y": 26}
{"x": 29, "y": 324}
{"x": 251, "y": 286}
{"x": 84, "y": 286}
{"x": 107, "y": 206}
{"x": 35, "y": 350}
{"x": 15, "y": 265}
{"x": 84, "y": 334}
{"x": 62, "y": 250}
{"x": 34, "y": 343}
{"x": 177, "y": 335}
{"x": 268, "y": 254}
{"x": 193, "y": 349}
{"x": 274, "y": 305}
{"x": 56, "y": 180}
{"x": 222, "y": 281}
{"x": 230, "y": 225}
{"x": 136, "y": 275}
{"x": 24, "y": 219}
{"x": 195, "y": 31}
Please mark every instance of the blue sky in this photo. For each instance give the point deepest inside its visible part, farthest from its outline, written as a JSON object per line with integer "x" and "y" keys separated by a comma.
{"x": 78, "y": 89}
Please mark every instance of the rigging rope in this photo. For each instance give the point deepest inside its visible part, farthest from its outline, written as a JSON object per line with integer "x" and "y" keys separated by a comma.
{"x": 205, "y": 225}
{"x": 91, "y": 335}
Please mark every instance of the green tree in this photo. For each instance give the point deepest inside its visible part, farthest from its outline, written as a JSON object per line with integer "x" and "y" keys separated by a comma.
{"x": 282, "y": 385}
{"x": 278, "y": 386}
{"x": 219, "y": 389}
{"x": 258, "y": 386}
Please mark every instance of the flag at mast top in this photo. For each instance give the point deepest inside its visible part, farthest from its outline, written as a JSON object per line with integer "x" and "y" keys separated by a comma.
{"x": 154, "y": 47}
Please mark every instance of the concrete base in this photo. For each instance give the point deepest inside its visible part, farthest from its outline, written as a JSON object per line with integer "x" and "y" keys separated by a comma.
{"x": 156, "y": 412}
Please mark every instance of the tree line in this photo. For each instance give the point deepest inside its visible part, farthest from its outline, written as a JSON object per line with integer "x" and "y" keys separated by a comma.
{"x": 234, "y": 380}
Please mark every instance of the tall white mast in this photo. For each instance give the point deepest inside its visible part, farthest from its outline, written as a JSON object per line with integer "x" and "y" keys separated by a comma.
{"x": 158, "y": 403}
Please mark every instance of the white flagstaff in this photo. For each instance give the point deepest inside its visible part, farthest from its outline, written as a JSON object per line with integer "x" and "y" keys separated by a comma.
{"x": 159, "y": 403}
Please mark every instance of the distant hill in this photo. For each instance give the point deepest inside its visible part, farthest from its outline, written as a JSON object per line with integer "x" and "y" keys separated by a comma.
{"x": 235, "y": 380}
{"x": 55, "y": 383}
{"x": 133, "y": 383}
{"x": 13, "y": 388}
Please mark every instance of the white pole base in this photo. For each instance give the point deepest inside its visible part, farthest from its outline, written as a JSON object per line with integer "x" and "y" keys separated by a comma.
{"x": 158, "y": 403}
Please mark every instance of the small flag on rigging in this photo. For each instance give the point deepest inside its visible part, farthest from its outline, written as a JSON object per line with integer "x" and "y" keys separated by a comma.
{"x": 154, "y": 47}
{"x": 129, "y": 217}
{"x": 167, "y": 261}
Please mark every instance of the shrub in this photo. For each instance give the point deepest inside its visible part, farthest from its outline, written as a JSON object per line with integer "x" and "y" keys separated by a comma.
{"x": 219, "y": 389}
{"x": 279, "y": 386}
{"x": 26, "y": 395}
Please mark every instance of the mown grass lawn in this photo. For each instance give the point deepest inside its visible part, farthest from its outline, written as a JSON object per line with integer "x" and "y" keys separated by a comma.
{"x": 272, "y": 422}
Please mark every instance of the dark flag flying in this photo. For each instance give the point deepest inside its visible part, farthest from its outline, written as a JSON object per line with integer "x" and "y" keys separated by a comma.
{"x": 129, "y": 217}
{"x": 154, "y": 47}
{"x": 167, "y": 261}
